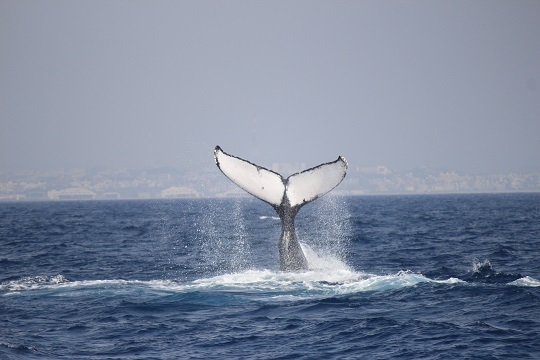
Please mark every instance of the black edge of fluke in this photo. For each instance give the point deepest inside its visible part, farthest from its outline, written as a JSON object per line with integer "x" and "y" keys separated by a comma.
{"x": 218, "y": 148}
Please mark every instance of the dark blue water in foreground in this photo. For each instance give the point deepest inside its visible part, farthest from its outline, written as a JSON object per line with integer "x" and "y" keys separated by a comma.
{"x": 394, "y": 277}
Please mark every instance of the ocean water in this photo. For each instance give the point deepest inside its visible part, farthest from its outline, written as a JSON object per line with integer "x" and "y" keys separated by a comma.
{"x": 393, "y": 277}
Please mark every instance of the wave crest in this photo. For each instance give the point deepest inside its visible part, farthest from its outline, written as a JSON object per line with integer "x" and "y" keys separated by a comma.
{"x": 32, "y": 282}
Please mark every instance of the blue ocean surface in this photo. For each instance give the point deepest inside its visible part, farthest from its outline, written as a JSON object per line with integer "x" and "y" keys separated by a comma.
{"x": 392, "y": 277}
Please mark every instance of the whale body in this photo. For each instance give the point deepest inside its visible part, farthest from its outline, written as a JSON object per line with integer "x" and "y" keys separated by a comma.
{"x": 286, "y": 196}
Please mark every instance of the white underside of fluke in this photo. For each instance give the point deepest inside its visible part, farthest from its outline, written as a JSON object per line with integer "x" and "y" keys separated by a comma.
{"x": 313, "y": 183}
{"x": 259, "y": 182}
{"x": 269, "y": 186}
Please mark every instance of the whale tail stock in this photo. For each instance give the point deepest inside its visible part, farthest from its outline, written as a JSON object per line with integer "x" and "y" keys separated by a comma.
{"x": 286, "y": 196}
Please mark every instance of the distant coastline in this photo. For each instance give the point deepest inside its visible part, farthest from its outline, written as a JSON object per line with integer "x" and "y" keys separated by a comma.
{"x": 169, "y": 183}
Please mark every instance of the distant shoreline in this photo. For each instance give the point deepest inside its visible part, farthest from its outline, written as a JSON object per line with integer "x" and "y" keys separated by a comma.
{"x": 247, "y": 196}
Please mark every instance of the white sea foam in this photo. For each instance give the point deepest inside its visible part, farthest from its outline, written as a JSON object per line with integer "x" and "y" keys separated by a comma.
{"x": 259, "y": 285}
{"x": 265, "y": 284}
{"x": 60, "y": 282}
{"x": 526, "y": 281}
{"x": 270, "y": 285}
{"x": 32, "y": 282}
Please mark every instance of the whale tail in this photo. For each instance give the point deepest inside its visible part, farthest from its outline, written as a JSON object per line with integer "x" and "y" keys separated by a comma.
{"x": 269, "y": 186}
{"x": 286, "y": 196}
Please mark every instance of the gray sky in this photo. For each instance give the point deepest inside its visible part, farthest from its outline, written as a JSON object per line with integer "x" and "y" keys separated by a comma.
{"x": 406, "y": 84}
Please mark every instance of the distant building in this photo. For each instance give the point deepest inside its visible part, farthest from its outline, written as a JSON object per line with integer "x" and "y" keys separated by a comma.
{"x": 72, "y": 194}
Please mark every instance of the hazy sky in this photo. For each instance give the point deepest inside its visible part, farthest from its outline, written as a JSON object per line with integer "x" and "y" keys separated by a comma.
{"x": 406, "y": 84}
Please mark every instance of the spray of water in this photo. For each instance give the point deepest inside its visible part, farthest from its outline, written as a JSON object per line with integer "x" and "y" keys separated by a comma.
{"x": 325, "y": 231}
{"x": 225, "y": 246}
{"x": 167, "y": 238}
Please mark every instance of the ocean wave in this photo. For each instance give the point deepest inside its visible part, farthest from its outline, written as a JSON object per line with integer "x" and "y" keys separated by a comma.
{"x": 61, "y": 282}
{"x": 526, "y": 281}
{"x": 32, "y": 282}
{"x": 279, "y": 286}
{"x": 18, "y": 347}
{"x": 257, "y": 285}
{"x": 264, "y": 282}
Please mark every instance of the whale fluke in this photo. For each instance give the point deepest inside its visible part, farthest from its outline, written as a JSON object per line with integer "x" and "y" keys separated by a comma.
{"x": 286, "y": 196}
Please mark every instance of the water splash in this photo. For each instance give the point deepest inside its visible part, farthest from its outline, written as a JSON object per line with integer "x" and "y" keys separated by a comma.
{"x": 482, "y": 267}
{"x": 229, "y": 245}
{"x": 223, "y": 237}
{"x": 483, "y": 271}
{"x": 324, "y": 261}
{"x": 325, "y": 231}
